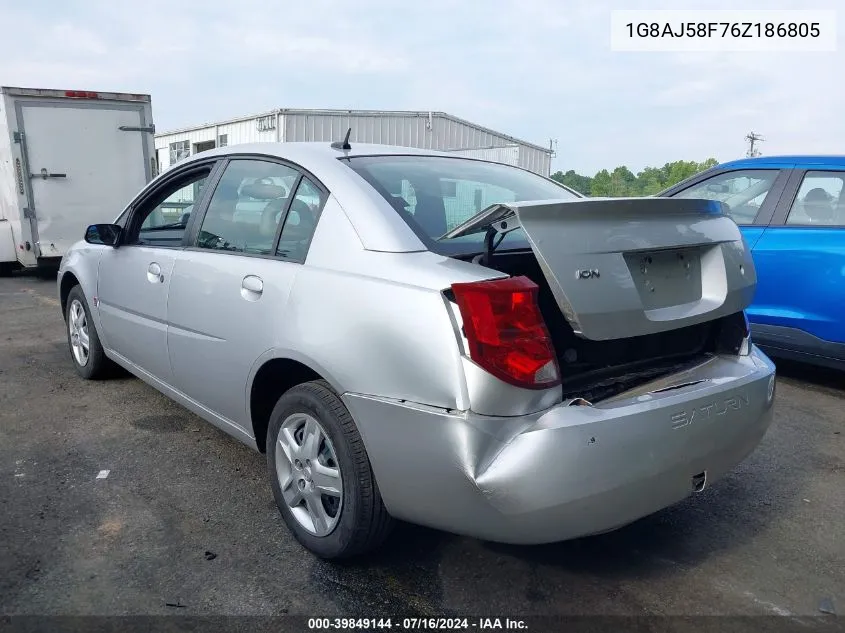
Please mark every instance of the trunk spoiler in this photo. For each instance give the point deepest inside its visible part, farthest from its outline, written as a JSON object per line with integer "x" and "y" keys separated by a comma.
{"x": 623, "y": 267}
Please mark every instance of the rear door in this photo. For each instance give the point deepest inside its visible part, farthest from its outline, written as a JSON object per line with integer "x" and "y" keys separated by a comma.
{"x": 800, "y": 261}
{"x": 80, "y": 165}
{"x": 230, "y": 286}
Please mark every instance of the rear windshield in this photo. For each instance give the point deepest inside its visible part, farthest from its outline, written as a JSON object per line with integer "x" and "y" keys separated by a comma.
{"x": 434, "y": 194}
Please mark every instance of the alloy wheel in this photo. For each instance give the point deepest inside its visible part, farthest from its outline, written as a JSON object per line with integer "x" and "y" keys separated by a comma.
{"x": 78, "y": 327}
{"x": 309, "y": 474}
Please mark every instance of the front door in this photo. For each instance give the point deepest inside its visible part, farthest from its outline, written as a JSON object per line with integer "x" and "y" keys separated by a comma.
{"x": 134, "y": 279}
{"x": 81, "y": 166}
{"x": 229, "y": 291}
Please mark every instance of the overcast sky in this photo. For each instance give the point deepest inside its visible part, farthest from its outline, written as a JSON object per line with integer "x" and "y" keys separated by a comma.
{"x": 535, "y": 69}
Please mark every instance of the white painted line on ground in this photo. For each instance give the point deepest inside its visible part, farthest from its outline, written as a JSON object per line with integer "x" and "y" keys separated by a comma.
{"x": 103, "y": 474}
{"x": 770, "y": 606}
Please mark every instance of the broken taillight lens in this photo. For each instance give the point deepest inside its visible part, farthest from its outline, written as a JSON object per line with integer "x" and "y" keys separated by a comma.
{"x": 506, "y": 333}
{"x": 745, "y": 346}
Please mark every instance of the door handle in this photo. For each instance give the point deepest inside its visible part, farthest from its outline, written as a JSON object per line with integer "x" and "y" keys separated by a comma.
{"x": 46, "y": 174}
{"x": 252, "y": 288}
{"x": 154, "y": 275}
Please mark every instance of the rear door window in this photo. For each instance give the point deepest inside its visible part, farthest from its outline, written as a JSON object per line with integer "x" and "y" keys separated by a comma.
{"x": 820, "y": 200}
{"x": 301, "y": 221}
{"x": 246, "y": 207}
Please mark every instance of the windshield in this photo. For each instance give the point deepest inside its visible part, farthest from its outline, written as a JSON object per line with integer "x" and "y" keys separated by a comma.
{"x": 434, "y": 194}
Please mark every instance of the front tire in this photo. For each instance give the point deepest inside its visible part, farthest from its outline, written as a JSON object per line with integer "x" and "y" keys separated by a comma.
{"x": 321, "y": 476}
{"x": 87, "y": 353}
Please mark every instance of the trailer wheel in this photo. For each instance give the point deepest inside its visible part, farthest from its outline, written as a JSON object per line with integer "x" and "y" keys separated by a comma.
{"x": 7, "y": 268}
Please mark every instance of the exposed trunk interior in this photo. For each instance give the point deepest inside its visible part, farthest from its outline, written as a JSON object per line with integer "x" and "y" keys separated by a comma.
{"x": 595, "y": 370}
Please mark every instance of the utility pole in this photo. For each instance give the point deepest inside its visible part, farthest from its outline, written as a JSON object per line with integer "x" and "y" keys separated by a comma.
{"x": 753, "y": 137}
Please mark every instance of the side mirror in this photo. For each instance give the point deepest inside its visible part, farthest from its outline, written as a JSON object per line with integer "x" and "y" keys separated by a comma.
{"x": 106, "y": 234}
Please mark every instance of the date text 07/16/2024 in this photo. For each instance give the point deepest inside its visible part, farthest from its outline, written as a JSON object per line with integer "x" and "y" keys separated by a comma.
{"x": 415, "y": 624}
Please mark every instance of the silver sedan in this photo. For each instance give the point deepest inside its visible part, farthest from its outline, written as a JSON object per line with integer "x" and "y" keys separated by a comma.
{"x": 418, "y": 336}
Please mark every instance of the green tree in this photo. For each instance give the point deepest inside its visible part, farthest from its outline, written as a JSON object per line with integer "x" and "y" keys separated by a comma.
{"x": 601, "y": 185}
{"x": 651, "y": 180}
{"x": 579, "y": 183}
{"x": 621, "y": 182}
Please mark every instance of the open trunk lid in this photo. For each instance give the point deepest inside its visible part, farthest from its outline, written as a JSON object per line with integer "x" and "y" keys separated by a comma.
{"x": 623, "y": 267}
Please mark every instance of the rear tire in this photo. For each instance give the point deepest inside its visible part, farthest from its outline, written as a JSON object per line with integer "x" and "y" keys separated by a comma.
{"x": 89, "y": 360}
{"x": 321, "y": 476}
{"x": 7, "y": 268}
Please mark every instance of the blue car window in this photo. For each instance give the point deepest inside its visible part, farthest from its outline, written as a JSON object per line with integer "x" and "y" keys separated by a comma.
{"x": 742, "y": 192}
{"x": 820, "y": 200}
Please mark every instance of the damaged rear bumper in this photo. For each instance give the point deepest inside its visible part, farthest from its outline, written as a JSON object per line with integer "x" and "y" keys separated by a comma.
{"x": 568, "y": 471}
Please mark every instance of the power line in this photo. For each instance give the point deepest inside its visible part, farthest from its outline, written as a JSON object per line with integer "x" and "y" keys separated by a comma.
{"x": 752, "y": 138}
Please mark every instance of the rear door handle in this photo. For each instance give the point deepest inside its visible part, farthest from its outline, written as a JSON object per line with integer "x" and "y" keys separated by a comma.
{"x": 154, "y": 275}
{"x": 252, "y": 288}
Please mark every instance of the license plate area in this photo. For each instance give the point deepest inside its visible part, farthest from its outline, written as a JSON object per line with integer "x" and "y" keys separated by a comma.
{"x": 666, "y": 278}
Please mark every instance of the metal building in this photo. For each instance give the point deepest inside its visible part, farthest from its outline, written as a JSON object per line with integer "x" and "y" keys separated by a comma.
{"x": 426, "y": 130}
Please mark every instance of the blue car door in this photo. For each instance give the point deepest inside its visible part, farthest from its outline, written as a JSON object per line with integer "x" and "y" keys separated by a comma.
{"x": 800, "y": 261}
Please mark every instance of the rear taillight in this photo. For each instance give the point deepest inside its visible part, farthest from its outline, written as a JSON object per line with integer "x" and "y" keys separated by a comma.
{"x": 506, "y": 333}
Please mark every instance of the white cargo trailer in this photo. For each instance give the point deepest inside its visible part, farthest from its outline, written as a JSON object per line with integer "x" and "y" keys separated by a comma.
{"x": 68, "y": 158}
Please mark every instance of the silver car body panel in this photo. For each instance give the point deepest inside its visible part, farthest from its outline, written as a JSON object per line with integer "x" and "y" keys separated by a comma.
{"x": 366, "y": 311}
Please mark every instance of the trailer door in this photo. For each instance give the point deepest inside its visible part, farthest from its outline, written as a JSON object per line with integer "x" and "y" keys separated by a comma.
{"x": 83, "y": 169}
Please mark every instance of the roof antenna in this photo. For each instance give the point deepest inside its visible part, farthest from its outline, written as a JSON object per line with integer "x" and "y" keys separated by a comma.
{"x": 345, "y": 143}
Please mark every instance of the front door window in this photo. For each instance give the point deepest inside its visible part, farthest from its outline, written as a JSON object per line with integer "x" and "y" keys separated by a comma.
{"x": 741, "y": 192}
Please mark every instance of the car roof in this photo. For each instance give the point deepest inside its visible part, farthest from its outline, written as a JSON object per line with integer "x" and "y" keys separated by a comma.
{"x": 801, "y": 160}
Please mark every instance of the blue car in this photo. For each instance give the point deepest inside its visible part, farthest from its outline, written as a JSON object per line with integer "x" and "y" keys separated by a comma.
{"x": 791, "y": 210}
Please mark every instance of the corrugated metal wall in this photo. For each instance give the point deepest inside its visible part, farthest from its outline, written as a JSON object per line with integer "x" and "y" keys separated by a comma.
{"x": 537, "y": 160}
{"x": 436, "y": 131}
{"x": 385, "y": 129}
{"x": 505, "y": 155}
